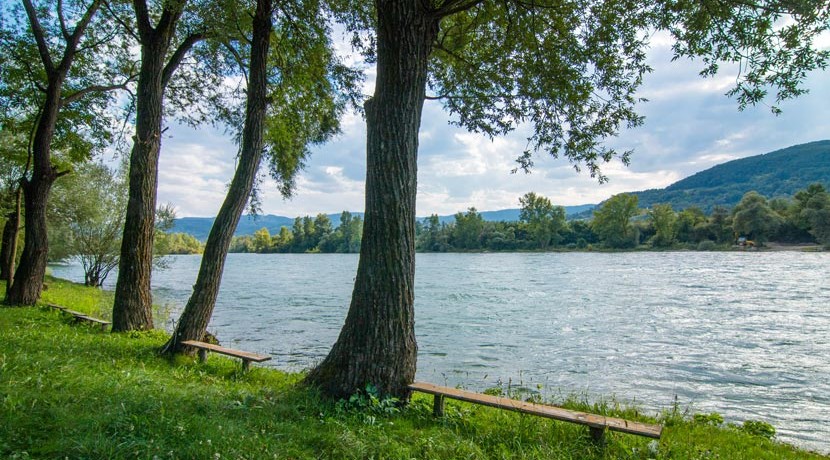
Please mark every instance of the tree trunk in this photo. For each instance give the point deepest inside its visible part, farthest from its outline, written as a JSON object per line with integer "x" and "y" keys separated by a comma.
{"x": 7, "y": 256}
{"x": 132, "y": 309}
{"x": 28, "y": 278}
{"x": 377, "y": 343}
{"x": 196, "y": 316}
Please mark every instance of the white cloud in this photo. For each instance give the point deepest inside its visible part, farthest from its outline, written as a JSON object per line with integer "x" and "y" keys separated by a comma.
{"x": 690, "y": 126}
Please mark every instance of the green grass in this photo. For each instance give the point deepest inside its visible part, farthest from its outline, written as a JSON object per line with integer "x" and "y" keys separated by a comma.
{"x": 72, "y": 391}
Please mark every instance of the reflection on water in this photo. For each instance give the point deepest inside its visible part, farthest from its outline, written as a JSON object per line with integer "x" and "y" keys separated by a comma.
{"x": 743, "y": 334}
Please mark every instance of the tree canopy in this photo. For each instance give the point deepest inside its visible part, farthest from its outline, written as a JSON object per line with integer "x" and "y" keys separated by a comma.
{"x": 567, "y": 70}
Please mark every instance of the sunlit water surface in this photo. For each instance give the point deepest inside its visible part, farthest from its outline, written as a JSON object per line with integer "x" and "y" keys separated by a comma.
{"x": 743, "y": 334}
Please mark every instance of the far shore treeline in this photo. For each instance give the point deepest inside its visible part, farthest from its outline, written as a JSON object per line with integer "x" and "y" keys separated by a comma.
{"x": 617, "y": 224}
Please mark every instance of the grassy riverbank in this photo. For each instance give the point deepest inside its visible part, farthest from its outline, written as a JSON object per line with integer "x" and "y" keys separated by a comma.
{"x": 72, "y": 391}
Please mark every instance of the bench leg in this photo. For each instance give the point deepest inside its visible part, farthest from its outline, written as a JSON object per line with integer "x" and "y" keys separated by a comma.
{"x": 246, "y": 365}
{"x": 438, "y": 406}
{"x": 202, "y": 355}
{"x": 597, "y": 434}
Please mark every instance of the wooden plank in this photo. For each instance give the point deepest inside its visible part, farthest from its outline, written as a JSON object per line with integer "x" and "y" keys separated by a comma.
{"x": 56, "y": 307}
{"x": 93, "y": 320}
{"x": 557, "y": 413}
{"x": 245, "y": 355}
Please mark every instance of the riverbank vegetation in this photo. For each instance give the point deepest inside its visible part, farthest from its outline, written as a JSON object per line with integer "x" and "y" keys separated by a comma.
{"x": 71, "y": 391}
{"x": 618, "y": 224}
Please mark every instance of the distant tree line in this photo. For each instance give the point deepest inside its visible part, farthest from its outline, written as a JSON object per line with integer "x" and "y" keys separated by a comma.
{"x": 306, "y": 235}
{"x": 618, "y": 224}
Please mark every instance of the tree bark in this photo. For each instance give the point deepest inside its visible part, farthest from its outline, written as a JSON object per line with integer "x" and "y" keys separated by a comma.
{"x": 132, "y": 309}
{"x": 199, "y": 309}
{"x": 377, "y": 343}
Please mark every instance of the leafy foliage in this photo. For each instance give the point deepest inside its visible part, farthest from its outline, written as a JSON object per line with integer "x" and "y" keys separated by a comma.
{"x": 754, "y": 218}
{"x": 612, "y": 221}
{"x": 89, "y": 113}
{"x": 544, "y": 221}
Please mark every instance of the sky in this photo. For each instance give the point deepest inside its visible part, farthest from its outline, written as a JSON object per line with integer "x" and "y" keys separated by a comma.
{"x": 690, "y": 126}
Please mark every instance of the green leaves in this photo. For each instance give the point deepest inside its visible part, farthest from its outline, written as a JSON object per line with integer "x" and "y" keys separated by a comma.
{"x": 612, "y": 221}
{"x": 773, "y": 42}
{"x": 568, "y": 69}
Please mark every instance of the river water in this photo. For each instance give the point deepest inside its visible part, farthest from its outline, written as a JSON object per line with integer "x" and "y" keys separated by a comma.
{"x": 745, "y": 334}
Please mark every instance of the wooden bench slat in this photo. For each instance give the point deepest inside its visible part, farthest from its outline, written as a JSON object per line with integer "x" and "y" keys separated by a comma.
{"x": 552, "y": 412}
{"x": 93, "y": 320}
{"x": 245, "y": 355}
{"x": 79, "y": 316}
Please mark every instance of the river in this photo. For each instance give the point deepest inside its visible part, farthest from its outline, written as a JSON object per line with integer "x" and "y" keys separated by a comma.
{"x": 745, "y": 334}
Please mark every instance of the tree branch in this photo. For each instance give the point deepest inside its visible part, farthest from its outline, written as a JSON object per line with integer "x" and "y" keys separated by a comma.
{"x": 96, "y": 88}
{"x": 40, "y": 38}
{"x": 145, "y": 29}
{"x": 236, "y": 57}
{"x": 120, "y": 21}
{"x": 75, "y": 38}
{"x": 64, "y": 30}
{"x": 451, "y": 7}
{"x": 179, "y": 55}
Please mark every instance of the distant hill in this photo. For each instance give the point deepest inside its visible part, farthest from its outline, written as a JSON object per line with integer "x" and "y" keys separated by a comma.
{"x": 776, "y": 174}
{"x": 248, "y": 224}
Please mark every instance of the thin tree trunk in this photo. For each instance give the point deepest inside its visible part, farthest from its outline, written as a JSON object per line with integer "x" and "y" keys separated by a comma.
{"x": 196, "y": 316}
{"x": 8, "y": 248}
{"x": 5, "y": 249}
{"x": 377, "y": 343}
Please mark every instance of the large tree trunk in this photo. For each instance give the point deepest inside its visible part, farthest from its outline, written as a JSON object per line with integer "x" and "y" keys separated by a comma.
{"x": 132, "y": 309}
{"x": 196, "y": 316}
{"x": 377, "y": 343}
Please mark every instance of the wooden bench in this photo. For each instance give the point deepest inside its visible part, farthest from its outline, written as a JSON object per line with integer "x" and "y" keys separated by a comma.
{"x": 246, "y": 356}
{"x": 597, "y": 424}
{"x": 81, "y": 316}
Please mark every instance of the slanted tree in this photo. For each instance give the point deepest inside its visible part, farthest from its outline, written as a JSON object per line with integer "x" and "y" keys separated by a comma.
{"x": 293, "y": 102}
{"x": 568, "y": 69}
{"x": 62, "y": 58}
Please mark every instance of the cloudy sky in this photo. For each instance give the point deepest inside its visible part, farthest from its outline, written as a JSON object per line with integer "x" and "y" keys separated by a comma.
{"x": 690, "y": 126}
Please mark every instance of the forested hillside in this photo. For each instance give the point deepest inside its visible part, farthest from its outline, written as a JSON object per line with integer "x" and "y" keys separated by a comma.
{"x": 776, "y": 174}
